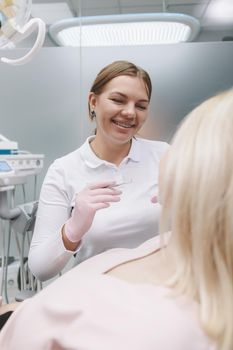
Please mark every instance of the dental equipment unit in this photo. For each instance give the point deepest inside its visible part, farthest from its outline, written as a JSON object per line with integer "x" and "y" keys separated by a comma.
{"x": 7, "y": 146}
{"x": 15, "y": 169}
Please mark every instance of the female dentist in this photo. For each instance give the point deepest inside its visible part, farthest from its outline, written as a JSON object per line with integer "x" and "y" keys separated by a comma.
{"x": 98, "y": 196}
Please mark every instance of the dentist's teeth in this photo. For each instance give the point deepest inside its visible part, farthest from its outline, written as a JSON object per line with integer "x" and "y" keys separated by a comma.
{"x": 123, "y": 125}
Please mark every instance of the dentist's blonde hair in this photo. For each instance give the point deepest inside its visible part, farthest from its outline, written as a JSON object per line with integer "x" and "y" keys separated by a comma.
{"x": 198, "y": 204}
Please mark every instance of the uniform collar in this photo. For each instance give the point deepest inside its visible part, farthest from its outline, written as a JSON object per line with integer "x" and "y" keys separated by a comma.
{"x": 93, "y": 161}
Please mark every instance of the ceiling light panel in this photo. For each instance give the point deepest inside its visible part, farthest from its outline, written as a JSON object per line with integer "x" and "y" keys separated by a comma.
{"x": 119, "y": 34}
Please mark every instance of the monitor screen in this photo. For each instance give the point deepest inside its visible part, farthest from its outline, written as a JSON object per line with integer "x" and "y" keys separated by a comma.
{"x": 4, "y": 166}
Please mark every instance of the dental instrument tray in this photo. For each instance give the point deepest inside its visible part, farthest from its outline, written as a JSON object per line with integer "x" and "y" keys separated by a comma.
{"x": 14, "y": 169}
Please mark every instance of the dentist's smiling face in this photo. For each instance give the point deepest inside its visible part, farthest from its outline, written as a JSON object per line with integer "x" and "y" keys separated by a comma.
{"x": 121, "y": 109}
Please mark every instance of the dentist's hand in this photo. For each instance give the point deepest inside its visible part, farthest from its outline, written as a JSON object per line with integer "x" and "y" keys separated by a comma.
{"x": 92, "y": 198}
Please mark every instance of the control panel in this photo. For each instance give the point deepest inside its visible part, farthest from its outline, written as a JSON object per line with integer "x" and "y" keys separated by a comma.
{"x": 14, "y": 169}
{"x": 24, "y": 162}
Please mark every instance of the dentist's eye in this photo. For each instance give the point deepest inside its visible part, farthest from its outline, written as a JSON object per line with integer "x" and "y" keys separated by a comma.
{"x": 116, "y": 100}
{"x": 142, "y": 108}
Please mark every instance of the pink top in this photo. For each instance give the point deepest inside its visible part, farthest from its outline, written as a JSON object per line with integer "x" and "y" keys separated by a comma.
{"x": 86, "y": 309}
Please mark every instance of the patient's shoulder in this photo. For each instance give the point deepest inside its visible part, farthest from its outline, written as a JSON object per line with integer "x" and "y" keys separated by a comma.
{"x": 113, "y": 257}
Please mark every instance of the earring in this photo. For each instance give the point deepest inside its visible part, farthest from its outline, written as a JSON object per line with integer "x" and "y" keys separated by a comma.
{"x": 93, "y": 114}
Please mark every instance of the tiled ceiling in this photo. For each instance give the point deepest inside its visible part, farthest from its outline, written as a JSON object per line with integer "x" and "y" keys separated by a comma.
{"x": 96, "y": 7}
{"x": 215, "y": 23}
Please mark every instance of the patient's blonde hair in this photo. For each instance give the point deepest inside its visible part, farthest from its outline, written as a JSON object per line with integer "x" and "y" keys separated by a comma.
{"x": 198, "y": 204}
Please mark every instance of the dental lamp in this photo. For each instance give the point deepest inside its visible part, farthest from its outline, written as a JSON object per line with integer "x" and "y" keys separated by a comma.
{"x": 16, "y": 25}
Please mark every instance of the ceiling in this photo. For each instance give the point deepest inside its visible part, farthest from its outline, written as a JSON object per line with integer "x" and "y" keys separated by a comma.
{"x": 215, "y": 16}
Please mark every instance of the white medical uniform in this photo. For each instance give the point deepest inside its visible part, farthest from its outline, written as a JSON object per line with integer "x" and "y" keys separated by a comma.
{"x": 124, "y": 224}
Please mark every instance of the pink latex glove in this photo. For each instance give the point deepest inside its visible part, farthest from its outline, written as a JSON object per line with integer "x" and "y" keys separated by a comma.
{"x": 92, "y": 198}
{"x": 154, "y": 199}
